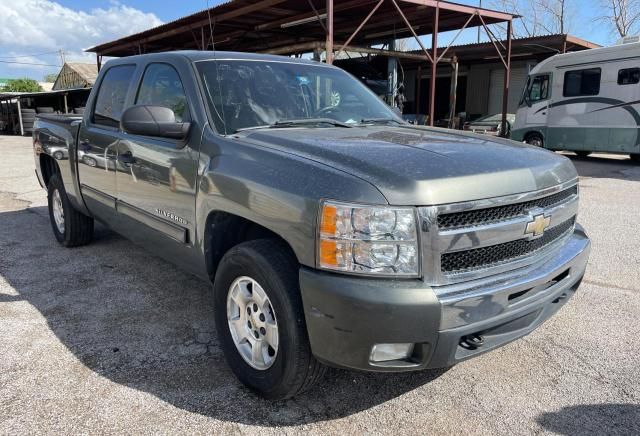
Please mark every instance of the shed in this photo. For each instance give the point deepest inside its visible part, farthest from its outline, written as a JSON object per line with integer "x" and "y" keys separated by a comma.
{"x": 74, "y": 75}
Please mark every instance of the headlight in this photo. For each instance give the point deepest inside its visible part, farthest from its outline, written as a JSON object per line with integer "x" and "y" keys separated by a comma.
{"x": 375, "y": 240}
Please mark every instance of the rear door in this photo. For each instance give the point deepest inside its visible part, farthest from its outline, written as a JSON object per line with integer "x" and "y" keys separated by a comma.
{"x": 157, "y": 176}
{"x": 98, "y": 140}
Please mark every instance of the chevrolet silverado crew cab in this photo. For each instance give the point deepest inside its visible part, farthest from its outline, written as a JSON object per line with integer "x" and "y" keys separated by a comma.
{"x": 333, "y": 232}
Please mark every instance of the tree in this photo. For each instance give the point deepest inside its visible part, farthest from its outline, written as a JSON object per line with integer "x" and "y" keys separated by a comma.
{"x": 622, "y": 15}
{"x": 22, "y": 85}
{"x": 538, "y": 17}
{"x": 50, "y": 78}
{"x": 556, "y": 15}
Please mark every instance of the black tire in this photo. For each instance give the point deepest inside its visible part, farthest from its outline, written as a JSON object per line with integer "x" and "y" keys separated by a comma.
{"x": 270, "y": 263}
{"x": 45, "y": 110}
{"x": 635, "y": 157}
{"x": 534, "y": 139}
{"x": 78, "y": 228}
{"x": 582, "y": 153}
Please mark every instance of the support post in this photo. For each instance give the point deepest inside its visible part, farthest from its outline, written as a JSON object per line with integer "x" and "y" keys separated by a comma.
{"x": 507, "y": 77}
{"x": 418, "y": 94}
{"x": 329, "y": 44}
{"x": 453, "y": 93}
{"x": 20, "y": 117}
{"x": 66, "y": 106}
{"x": 392, "y": 76}
{"x": 434, "y": 65}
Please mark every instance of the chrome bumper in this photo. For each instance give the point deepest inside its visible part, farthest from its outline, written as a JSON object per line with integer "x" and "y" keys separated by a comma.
{"x": 504, "y": 308}
{"x": 470, "y": 302}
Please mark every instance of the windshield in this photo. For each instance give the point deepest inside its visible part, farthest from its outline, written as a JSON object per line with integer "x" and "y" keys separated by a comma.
{"x": 247, "y": 94}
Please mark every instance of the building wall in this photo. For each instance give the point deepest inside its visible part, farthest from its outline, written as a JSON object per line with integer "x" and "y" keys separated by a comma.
{"x": 478, "y": 89}
{"x": 485, "y": 83}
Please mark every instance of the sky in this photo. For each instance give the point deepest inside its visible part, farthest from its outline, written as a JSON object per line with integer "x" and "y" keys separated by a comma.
{"x": 32, "y": 32}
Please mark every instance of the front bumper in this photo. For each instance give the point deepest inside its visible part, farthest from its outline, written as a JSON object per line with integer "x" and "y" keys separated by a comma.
{"x": 346, "y": 316}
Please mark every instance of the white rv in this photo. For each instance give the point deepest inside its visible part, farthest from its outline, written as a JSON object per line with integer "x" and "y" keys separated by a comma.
{"x": 585, "y": 101}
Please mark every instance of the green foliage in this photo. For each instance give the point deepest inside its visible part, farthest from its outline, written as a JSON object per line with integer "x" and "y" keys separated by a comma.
{"x": 22, "y": 85}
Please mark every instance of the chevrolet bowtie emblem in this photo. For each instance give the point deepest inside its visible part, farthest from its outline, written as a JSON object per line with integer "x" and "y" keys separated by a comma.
{"x": 537, "y": 227}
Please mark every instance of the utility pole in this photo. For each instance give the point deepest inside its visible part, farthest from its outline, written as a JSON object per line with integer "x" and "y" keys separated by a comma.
{"x": 480, "y": 6}
{"x": 62, "y": 56}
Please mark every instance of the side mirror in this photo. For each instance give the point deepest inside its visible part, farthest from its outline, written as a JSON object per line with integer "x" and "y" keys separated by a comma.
{"x": 157, "y": 121}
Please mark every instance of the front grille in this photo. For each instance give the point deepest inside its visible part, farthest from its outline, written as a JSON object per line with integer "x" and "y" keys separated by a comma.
{"x": 501, "y": 213}
{"x": 463, "y": 261}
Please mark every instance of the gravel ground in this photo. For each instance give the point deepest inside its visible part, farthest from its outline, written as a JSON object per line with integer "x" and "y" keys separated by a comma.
{"x": 110, "y": 339}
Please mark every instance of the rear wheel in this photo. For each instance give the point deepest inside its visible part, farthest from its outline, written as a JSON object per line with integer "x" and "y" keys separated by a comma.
{"x": 260, "y": 320}
{"x": 534, "y": 139}
{"x": 582, "y": 153}
{"x": 70, "y": 227}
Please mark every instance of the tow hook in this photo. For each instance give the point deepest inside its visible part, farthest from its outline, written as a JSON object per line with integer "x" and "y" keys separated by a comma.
{"x": 472, "y": 342}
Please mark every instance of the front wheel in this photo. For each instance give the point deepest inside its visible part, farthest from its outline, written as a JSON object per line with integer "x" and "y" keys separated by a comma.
{"x": 535, "y": 140}
{"x": 582, "y": 153}
{"x": 260, "y": 320}
{"x": 70, "y": 227}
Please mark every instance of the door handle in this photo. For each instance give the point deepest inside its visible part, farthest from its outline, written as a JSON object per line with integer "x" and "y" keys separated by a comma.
{"x": 126, "y": 158}
{"x": 544, "y": 113}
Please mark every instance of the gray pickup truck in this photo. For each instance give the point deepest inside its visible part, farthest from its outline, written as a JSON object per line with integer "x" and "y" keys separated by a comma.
{"x": 333, "y": 232}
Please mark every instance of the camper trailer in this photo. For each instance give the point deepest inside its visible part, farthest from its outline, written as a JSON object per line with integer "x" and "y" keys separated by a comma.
{"x": 585, "y": 102}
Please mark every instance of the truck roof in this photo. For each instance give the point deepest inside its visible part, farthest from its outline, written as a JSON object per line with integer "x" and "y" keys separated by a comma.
{"x": 199, "y": 55}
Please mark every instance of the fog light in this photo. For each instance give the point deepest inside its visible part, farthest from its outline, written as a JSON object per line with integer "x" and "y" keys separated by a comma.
{"x": 386, "y": 352}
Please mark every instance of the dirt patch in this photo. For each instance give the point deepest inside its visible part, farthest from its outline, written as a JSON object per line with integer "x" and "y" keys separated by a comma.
{"x": 9, "y": 202}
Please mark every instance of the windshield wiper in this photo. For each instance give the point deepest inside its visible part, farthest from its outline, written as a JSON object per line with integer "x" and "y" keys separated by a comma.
{"x": 379, "y": 121}
{"x": 298, "y": 122}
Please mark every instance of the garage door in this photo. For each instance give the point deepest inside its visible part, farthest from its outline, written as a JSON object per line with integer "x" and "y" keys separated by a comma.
{"x": 496, "y": 82}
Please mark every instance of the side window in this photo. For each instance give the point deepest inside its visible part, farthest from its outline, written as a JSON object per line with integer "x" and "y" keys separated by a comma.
{"x": 161, "y": 86}
{"x": 629, "y": 76}
{"x": 539, "y": 88}
{"x": 112, "y": 95}
{"x": 581, "y": 82}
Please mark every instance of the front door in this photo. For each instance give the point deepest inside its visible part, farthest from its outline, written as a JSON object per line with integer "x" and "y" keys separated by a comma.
{"x": 156, "y": 177}
{"x": 98, "y": 143}
{"x": 537, "y": 98}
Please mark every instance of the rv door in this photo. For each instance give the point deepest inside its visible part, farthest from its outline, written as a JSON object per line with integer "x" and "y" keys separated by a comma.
{"x": 536, "y": 97}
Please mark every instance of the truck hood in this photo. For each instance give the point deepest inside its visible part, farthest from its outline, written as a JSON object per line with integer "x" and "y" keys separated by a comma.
{"x": 424, "y": 166}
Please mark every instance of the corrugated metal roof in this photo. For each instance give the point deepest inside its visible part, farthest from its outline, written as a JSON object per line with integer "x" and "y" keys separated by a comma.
{"x": 265, "y": 25}
{"x": 12, "y": 95}
{"x": 88, "y": 72}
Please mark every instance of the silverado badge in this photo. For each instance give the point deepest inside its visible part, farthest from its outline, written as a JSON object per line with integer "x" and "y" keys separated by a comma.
{"x": 537, "y": 226}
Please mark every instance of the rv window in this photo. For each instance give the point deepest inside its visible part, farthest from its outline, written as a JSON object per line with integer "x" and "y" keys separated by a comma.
{"x": 539, "y": 88}
{"x": 581, "y": 82}
{"x": 629, "y": 76}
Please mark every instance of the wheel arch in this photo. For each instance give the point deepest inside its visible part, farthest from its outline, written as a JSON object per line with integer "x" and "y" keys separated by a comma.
{"x": 49, "y": 167}
{"x": 532, "y": 132}
{"x": 225, "y": 230}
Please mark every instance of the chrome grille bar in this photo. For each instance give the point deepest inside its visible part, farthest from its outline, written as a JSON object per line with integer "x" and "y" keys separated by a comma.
{"x": 500, "y": 243}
